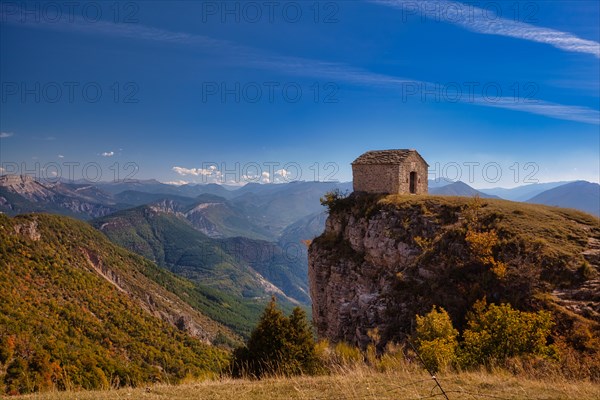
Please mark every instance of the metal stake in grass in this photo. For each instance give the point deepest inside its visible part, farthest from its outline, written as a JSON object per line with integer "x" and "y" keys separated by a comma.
{"x": 427, "y": 369}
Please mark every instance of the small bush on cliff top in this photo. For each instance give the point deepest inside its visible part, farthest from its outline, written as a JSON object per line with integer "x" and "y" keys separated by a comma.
{"x": 332, "y": 199}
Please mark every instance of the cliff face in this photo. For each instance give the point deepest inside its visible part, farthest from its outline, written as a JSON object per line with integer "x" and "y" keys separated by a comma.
{"x": 382, "y": 260}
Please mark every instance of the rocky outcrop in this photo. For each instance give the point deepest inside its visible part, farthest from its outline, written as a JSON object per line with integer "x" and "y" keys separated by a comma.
{"x": 29, "y": 230}
{"x": 200, "y": 220}
{"x": 584, "y": 299}
{"x": 383, "y": 260}
{"x": 197, "y": 215}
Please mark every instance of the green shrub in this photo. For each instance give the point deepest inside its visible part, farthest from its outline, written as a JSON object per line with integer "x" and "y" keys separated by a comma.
{"x": 333, "y": 199}
{"x": 497, "y": 332}
{"x": 436, "y": 339}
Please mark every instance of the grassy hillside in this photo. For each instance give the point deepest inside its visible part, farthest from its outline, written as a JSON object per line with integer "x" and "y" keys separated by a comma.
{"x": 357, "y": 384}
{"x": 225, "y": 264}
{"x": 79, "y": 312}
{"x": 168, "y": 241}
{"x": 240, "y": 274}
{"x": 561, "y": 234}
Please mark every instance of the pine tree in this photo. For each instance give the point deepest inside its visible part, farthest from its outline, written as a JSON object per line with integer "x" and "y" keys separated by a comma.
{"x": 278, "y": 345}
{"x": 302, "y": 344}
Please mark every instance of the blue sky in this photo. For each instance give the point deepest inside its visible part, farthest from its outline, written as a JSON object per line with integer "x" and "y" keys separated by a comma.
{"x": 494, "y": 93}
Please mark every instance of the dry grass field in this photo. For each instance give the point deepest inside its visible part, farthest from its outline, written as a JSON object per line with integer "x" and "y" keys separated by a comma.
{"x": 355, "y": 383}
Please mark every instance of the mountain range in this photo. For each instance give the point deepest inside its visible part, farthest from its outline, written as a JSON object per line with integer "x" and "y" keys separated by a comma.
{"x": 580, "y": 195}
{"x": 236, "y": 247}
{"x": 23, "y": 194}
{"x": 459, "y": 189}
{"x": 522, "y": 193}
{"x": 271, "y": 206}
{"x": 248, "y": 270}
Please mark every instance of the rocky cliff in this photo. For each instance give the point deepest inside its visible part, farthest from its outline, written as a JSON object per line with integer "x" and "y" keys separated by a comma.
{"x": 384, "y": 259}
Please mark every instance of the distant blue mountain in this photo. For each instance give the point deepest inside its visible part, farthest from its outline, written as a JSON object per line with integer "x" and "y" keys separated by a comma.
{"x": 438, "y": 183}
{"x": 458, "y": 189}
{"x": 522, "y": 193}
{"x": 581, "y": 195}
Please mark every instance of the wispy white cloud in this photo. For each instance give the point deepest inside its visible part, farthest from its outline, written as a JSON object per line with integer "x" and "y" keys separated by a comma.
{"x": 479, "y": 20}
{"x": 108, "y": 154}
{"x": 254, "y": 58}
{"x": 356, "y": 76}
{"x": 547, "y": 109}
{"x": 60, "y": 156}
{"x": 69, "y": 23}
{"x": 4, "y": 135}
